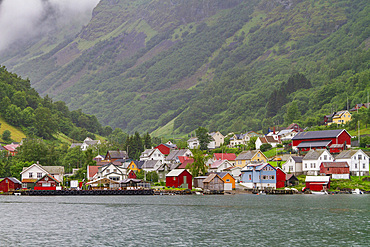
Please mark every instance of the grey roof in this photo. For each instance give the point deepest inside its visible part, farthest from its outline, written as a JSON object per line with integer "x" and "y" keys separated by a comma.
{"x": 149, "y": 164}
{"x": 222, "y": 174}
{"x": 313, "y": 154}
{"x": 314, "y": 144}
{"x": 346, "y": 154}
{"x": 318, "y": 134}
{"x": 54, "y": 169}
{"x": 139, "y": 163}
{"x": 13, "y": 179}
{"x": 246, "y": 155}
{"x": 297, "y": 159}
{"x": 175, "y": 153}
{"x": 92, "y": 143}
{"x": 170, "y": 145}
{"x": 117, "y": 154}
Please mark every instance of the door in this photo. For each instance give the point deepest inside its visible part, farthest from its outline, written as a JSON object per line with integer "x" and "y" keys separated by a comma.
{"x": 228, "y": 186}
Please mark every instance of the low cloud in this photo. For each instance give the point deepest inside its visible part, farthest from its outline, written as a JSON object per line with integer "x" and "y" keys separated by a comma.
{"x": 22, "y": 20}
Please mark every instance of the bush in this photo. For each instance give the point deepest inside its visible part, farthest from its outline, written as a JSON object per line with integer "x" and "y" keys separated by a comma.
{"x": 264, "y": 147}
{"x": 6, "y": 136}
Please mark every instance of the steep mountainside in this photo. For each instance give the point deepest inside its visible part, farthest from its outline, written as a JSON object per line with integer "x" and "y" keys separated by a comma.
{"x": 226, "y": 65}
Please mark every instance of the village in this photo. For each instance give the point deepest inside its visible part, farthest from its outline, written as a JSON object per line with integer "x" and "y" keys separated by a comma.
{"x": 318, "y": 157}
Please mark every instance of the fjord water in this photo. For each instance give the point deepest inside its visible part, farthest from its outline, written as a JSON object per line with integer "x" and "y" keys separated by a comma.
{"x": 239, "y": 220}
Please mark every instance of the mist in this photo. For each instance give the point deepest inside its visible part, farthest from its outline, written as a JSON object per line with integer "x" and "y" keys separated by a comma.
{"x": 22, "y": 20}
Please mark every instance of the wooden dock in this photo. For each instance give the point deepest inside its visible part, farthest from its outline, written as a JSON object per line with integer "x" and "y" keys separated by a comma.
{"x": 87, "y": 192}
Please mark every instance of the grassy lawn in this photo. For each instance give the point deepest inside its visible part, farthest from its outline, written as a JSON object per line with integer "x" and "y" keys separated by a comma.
{"x": 353, "y": 183}
{"x": 16, "y": 134}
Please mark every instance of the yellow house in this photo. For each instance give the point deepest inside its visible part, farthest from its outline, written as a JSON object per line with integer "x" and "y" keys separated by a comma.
{"x": 251, "y": 156}
{"x": 228, "y": 179}
{"x": 135, "y": 165}
{"x": 341, "y": 117}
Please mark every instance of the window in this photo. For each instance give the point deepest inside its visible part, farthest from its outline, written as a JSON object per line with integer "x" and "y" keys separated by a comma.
{"x": 305, "y": 165}
{"x": 290, "y": 168}
{"x": 359, "y": 157}
{"x": 258, "y": 155}
{"x": 114, "y": 170}
{"x": 30, "y": 175}
{"x": 272, "y": 177}
{"x": 325, "y": 157}
{"x": 250, "y": 177}
{"x": 132, "y": 166}
{"x": 227, "y": 180}
{"x": 355, "y": 165}
{"x": 264, "y": 177}
{"x": 24, "y": 185}
{"x": 363, "y": 165}
{"x": 108, "y": 170}
{"x": 39, "y": 175}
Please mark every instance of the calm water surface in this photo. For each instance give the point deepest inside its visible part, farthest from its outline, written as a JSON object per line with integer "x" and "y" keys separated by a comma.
{"x": 239, "y": 220}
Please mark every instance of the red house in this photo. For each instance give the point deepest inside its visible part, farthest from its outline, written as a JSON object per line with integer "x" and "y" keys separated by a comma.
{"x": 10, "y": 184}
{"x": 166, "y": 148}
{"x": 280, "y": 178}
{"x": 317, "y": 183}
{"x": 47, "y": 182}
{"x": 336, "y": 170}
{"x": 131, "y": 174}
{"x": 334, "y": 140}
{"x": 179, "y": 178}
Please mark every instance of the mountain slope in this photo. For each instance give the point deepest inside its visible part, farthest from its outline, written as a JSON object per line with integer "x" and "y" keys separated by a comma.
{"x": 220, "y": 64}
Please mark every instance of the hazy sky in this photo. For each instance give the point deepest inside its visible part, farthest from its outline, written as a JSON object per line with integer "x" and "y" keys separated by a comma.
{"x": 21, "y": 19}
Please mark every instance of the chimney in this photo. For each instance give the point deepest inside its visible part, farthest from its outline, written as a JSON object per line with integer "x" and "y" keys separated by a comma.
{"x": 37, "y": 162}
{"x": 274, "y": 130}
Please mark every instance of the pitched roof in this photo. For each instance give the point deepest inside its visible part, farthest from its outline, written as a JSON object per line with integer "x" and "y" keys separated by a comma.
{"x": 169, "y": 145}
{"x": 335, "y": 164}
{"x": 149, "y": 164}
{"x": 346, "y": 154}
{"x": 247, "y": 155}
{"x": 175, "y": 153}
{"x": 54, "y": 169}
{"x": 92, "y": 170}
{"x": 73, "y": 145}
{"x": 297, "y": 159}
{"x": 217, "y": 163}
{"x": 289, "y": 176}
{"x": 313, "y": 154}
{"x": 117, "y": 154}
{"x": 211, "y": 177}
{"x": 225, "y": 156}
{"x": 185, "y": 163}
{"x": 139, "y": 163}
{"x": 175, "y": 172}
{"x": 314, "y": 144}
{"x": 11, "y": 147}
{"x": 271, "y": 139}
{"x": 318, "y": 134}
{"x": 14, "y": 180}
{"x": 49, "y": 176}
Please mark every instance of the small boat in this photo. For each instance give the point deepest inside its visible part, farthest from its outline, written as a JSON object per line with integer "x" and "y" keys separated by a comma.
{"x": 198, "y": 193}
{"x": 357, "y": 192}
{"x": 17, "y": 193}
{"x": 261, "y": 193}
{"x": 319, "y": 193}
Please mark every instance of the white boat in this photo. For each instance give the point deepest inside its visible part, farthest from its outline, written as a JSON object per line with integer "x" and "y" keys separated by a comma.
{"x": 319, "y": 193}
{"x": 357, "y": 192}
{"x": 17, "y": 193}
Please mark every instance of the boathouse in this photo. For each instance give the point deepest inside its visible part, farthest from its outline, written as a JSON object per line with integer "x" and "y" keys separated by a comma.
{"x": 47, "y": 182}
{"x": 179, "y": 178}
{"x": 10, "y": 184}
{"x": 336, "y": 170}
{"x": 213, "y": 183}
{"x": 317, "y": 183}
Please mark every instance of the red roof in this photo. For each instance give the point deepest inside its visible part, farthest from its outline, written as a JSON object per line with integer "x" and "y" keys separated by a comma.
{"x": 185, "y": 163}
{"x": 11, "y": 147}
{"x": 183, "y": 158}
{"x": 92, "y": 171}
{"x": 224, "y": 156}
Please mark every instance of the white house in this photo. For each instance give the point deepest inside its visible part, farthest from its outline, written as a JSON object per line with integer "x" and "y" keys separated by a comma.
{"x": 312, "y": 160}
{"x": 31, "y": 174}
{"x": 218, "y": 138}
{"x": 152, "y": 154}
{"x": 272, "y": 140}
{"x": 88, "y": 142}
{"x": 111, "y": 171}
{"x": 219, "y": 166}
{"x": 293, "y": 165}
{"x": 193, "y": 143}
{"x": 357, "y": 160}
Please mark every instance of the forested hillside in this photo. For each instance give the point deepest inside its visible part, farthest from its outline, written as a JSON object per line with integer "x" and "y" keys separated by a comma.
{"x": 22, "y": 107}
{"x": 226, "y": 65}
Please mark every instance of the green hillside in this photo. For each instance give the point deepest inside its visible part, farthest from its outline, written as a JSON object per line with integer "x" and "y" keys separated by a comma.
{"x": 236, "y": 65}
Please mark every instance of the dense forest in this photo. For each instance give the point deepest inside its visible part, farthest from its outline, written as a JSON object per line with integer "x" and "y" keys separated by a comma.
{"x": 226, "y": 65}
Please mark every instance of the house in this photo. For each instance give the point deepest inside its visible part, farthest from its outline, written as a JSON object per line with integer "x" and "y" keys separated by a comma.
{"x": 359, "y": 106}
{"x": 336, "y": 170}
{"x": 179, "y": 178}
{"x": 213, "y": 183}
{"x": 12, "y": 149}
{"x": 135, "y": 165}
{"x": 218, "y": 138}
{"x": 250, "y": 156}
{"x": 341, "y": 117}
{"x": 103, "y": 183}
{"x": 295, "y": 127}
{"x": 272, "y": 140}
{"x": 262, "y": 176}
{"x": 31, "y": 174}
{"x": 317, "y": 183}
{"x": 357, "y": 160}
{"x": 162, "y": 171}
{"x": 293, "y": 165}
{"x": 235, "y": 171}
{"x": 47, "y": 182}
{"x": 231, "y": 157}
{"x": 151, "y": 165}
{"x": 131, "y": 174}
{"x": 166, "y": 148}
{"x": 111, "y": 156}
{"x": 219, "y": 165}
{"x": 92, "y": 172}
{"x": 242, "y": 139}
{"x": 173, "y": 157}
{"x": 152, "y": 154}
{"x": 112, "y": 172}
{"x": 10, "y": 184}
{"x": 328, "y": 118}
{"x": 98, "y": 158}
{"x": 286, "y": 135}
{"x": 312, "y": 160}
{"x": 304, "y": 141}
{"x": 88, "y": 142}
{"x": 229, "y": 181}
{"x": 193, "y": 143}
{"x": 291, "y": 180}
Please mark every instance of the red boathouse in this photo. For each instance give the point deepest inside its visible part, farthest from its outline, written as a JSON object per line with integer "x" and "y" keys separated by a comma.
{"x": 47, "y": 182}
{"x": 10, "y": 184}
{"x": 179, "y": 178}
